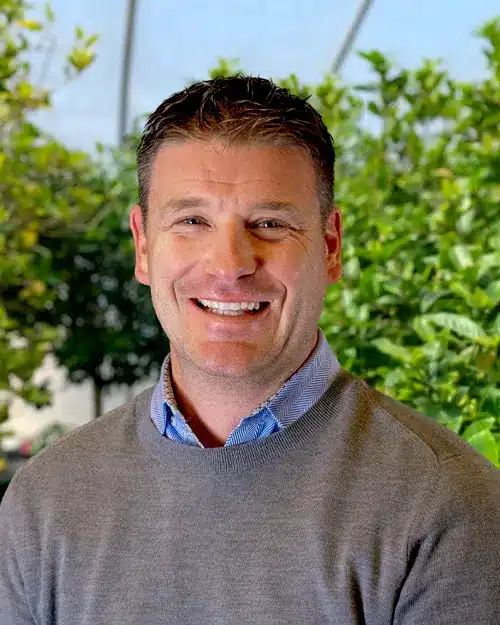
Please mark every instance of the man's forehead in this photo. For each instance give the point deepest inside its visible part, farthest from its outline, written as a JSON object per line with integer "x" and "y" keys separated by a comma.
{"x": 195, "y": 175}
{"x": 214, "y": 162}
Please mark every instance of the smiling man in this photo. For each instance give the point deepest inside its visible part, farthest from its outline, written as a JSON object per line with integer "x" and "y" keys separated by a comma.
{"x": 258, "y": 482}
{"x": 238, "y": 263}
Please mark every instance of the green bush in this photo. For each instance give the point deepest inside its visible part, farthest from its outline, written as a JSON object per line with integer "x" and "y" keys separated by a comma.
{"x": 44, "y": 192}
{"x": 417, "y": 313}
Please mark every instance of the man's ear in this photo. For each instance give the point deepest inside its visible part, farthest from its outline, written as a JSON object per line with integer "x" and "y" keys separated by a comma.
{"x": 333, "y": 245}
{"x": 141, "y": 249}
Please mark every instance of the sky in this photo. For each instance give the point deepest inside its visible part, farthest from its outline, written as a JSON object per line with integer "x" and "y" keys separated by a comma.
{"x": 180, "y": 40}
{"x": 177, "y": 41}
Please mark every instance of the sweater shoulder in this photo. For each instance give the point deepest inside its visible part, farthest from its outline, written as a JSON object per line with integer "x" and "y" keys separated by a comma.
{"x": 87, "y": 445}
{"x": 435, "y": 440}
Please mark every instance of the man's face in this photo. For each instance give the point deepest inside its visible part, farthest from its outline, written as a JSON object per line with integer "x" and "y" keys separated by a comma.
{"x": 216, "y": 232}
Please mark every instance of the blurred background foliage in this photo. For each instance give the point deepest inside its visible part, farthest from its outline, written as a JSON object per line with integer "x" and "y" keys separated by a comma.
{"x": 417, "y": 313}
{"x": 45, "y": 191}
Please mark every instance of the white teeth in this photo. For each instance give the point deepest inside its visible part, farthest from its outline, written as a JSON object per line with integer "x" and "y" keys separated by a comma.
{"x": 230, "y": 305}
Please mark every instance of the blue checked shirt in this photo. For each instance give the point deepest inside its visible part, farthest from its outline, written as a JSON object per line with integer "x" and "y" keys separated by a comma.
{"x": 294, "y": 398}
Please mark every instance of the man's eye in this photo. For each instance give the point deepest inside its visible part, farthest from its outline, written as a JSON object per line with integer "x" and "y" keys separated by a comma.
{"x": 270, "y": 221}
{"x": 265, "y": 221}
{"x": 189, "y": 219}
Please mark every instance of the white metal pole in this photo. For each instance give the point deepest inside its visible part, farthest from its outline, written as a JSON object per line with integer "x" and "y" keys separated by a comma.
{"x": 127, "y": 62}
{"x": 351, "y": 35}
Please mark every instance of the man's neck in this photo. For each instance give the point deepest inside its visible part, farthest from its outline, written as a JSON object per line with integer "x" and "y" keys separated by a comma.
{"x": 213, "y": 410}
{"x": 216, "y": 417}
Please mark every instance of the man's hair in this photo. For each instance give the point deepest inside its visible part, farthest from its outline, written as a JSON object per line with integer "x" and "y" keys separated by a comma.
{"x": 239, "y": 110}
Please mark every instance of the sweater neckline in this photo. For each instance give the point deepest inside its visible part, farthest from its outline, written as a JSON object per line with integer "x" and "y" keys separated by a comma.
{"x": 187, "y": 459}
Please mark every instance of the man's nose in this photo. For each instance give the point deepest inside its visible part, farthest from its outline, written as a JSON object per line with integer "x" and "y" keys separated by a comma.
{"x": 231, "y": 253}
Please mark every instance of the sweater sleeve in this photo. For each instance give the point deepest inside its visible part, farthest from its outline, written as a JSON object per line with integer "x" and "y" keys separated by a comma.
{"x": 453, "y": 574}
{"x": 13, "y": 606}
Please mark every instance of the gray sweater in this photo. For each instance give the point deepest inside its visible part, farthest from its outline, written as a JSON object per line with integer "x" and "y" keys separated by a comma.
{"x": 360, "y": 512}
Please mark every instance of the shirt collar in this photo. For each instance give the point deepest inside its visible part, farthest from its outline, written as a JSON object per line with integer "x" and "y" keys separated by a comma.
{"x": 301, "y": 391}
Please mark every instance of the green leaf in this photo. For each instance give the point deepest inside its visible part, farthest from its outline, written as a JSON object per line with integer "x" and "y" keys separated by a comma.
{"x": 478, "y": 426}
{"x": 495, "y": 328}
{"x": 450, "y": 419}
{"x": 424, "y": 328}
{"x": 484, "y": 442}
{"x": 352, "y": 269}
{"x": 493, "y": 291}
{"x": 49, "y": 13}
{"x": 488, "y": 262}
{"x": 430, "y": 298}
{"x": 30, "y": 24}
{"x": 379, "y": 62}
{"x": 490, "y": 400}
{"x": 460, "y": 325}
{"x": 386, "y": 346}
{"x": 81, "y": 58}
{"x": 465, "y": 223}
{"x": 461, "y": 257}
{"x": 4, "y": 412}
{"x": 494, "y": 242}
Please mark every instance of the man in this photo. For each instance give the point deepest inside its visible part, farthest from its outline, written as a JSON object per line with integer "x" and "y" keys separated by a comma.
{"x": 258, "y": 482}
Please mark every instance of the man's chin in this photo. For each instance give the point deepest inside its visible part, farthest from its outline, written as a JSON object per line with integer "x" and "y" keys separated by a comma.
{"x": 231, "y": 360}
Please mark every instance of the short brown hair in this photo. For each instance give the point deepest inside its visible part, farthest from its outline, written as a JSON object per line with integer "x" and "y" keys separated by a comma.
{"x": 239, "y": 109}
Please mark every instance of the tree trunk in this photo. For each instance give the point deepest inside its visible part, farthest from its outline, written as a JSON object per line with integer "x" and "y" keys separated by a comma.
{"x": 97, "y": 387}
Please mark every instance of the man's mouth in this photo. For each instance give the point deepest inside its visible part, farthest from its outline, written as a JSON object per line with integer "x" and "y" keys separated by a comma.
{"x": 232, "y": 313}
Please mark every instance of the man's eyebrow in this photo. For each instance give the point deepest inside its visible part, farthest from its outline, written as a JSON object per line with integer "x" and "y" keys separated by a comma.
{"x": 176, "y": 205}
{"x": 276, "y": 205}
